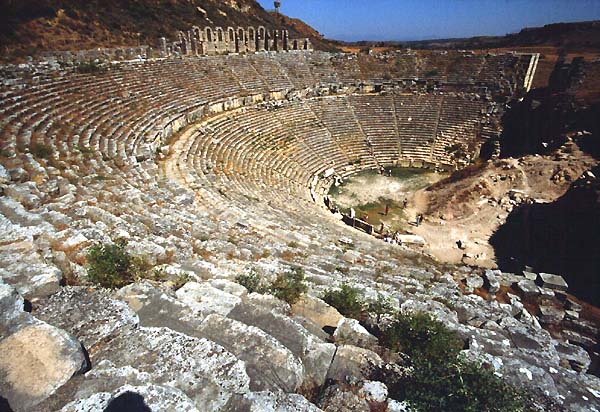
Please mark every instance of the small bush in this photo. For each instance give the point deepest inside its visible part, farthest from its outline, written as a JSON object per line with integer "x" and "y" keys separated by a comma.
{"x": 420, "y": 336}
{"x": 181, "y": 280}
{"x": 289, "y": 286}
{"x": 41, "y": 150}
{"x": 110, "y": 266}
{"x": 442, "y": 379}
{"x": 346, "y": 300}
{"x": 90, "y": 68}
{"x": 380, "y": 306}
{"x": 251, "y": 281}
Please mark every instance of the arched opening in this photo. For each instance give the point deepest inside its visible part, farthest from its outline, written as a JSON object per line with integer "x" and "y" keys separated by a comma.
{"x": 261, "y": 32}
{"x": 231, "y": 33}
{"x": 251, "y": 34}
{"x": 219, "y": 35}
{"x": 305, "y": 45}
{"x": 295, "y": 44}
{"x": 241, "y": 34}
{"x": 209, "y": 34}
{"x": 197, "y": 33}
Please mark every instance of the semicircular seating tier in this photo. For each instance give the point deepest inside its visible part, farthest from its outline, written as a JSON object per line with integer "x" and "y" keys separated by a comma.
{"x": 207, "y": 166}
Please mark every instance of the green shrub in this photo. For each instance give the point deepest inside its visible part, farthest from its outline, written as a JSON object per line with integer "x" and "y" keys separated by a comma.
{"x": 251, "y": 281}
{"x": 346, "y": 300}
{"x": 110, "y": 266}
{"x": 289, "y": 286}
{"x": 380, "y": 306}
{"x": 41, "y": 150}
{"x": 90, "y": 68}
{"x": 461, "y": 386}
{"x": 420, "y": 336}
{"x": 442, "y": 380}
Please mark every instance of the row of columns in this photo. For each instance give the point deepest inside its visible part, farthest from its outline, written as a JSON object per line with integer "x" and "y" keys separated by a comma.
{"x": 218, "y": 41}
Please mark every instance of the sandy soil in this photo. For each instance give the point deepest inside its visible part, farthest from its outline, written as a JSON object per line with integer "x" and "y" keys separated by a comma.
{"x": 472, "y": 208}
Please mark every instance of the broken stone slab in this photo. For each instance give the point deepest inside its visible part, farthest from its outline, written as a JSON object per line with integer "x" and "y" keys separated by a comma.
{"x": 551, "y": 314}
{"x": 528, "y": 287}
{"x": 572, "y": 305}
{"x": 373, "y": 391}
{"x": 12, "y": 315}
{"x": 205, "y": 371}
{"x": 156, "y": 308}
{"x": 317, "y": 310}
{"x": 551, "y": 281}
{"x": 269, "y": 402}
{"x": 35, "y": 361}
{"x": 577, "y": 357}
{"x": 270, "y": 365}
{"x": 474, "y": 282}
{"x": 530, "y": 275}
{"x": 571, "y": 314}
{"x": 352, "y": 361}
{"x": 92, "y": 315}
{"x": 491, "y": 280}
{"x": 153, "y": 398}
{"x": 351, "y": 332}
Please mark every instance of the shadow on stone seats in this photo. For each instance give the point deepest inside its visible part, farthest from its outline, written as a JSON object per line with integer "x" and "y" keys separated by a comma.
{"x": 561, "y": 237}
{"x": 128, "y": 402}
{"x": 4, "y": 405}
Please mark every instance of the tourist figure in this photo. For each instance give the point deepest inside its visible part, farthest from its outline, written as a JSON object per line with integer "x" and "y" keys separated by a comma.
{"x": 419, "y": 219}
{"x": 387, "y": 209}
{"x": 381, "y": 228}
{"x": 352, "y": 213}
{"x": 366, "y": 217}
{"x": 389, "y": 172}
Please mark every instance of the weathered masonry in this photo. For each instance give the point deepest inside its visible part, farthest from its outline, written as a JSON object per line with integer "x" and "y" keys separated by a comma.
{"x": 217, "y": 40}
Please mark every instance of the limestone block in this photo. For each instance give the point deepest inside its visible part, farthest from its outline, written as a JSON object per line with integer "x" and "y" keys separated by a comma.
{"x": 35, "y": 361}
{"x": 206, "y": 372}
{"x": 351, "y": 332}
{"x": 206, "y": 299}
{"x": 551, "y": 281}
{"x": 528, "y": 287}
{"x": 270, "y": 365}
{"x": 491, "y": 280}
{"x": 155, "y": 398}
{"x": 353, "y": 361}
{"x": 91, "y": 315}
{"x": 318, "y": 311}
{"x": 576, "y": 356}
{"x": 156, "y": 308}
{"x": 270, "y": 402}
{"x": 373, "y": 391}
{"x": 335, "y": 399}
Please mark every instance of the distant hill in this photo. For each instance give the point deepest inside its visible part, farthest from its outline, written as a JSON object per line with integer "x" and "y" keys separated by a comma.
{"x": 28, "y": 27}
{"x": 573, "y": 37}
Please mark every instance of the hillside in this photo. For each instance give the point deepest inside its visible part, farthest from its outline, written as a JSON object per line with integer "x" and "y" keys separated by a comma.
{"x": 572, "y": 37}
{"x": 31, "y": 26}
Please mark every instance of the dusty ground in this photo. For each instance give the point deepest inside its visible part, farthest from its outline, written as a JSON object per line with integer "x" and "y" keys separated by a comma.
{"x": 472, "y": 208}
{"x": 369, "y": 192}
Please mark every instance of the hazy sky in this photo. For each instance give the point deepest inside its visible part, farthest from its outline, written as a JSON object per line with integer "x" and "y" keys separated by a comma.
{"x": 426, "y": 19}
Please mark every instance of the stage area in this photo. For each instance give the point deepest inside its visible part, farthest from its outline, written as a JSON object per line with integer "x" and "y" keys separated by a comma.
{"x": 369, "y": 192}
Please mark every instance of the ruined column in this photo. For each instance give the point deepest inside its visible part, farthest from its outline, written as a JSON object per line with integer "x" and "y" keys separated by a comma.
{"x": 163, "y": 47}
{"x": 285, "y": 40}
{"x": 275, "y": 40}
